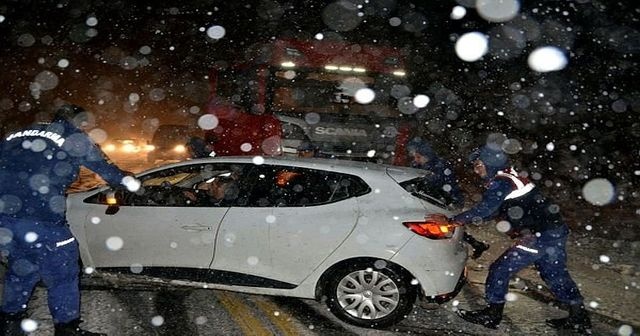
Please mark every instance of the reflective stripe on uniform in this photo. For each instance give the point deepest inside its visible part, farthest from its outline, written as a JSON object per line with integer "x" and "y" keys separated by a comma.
{"x": 528, "y": 249}
{"x": 521, "y": 188}
{"x": 65, "y": 242}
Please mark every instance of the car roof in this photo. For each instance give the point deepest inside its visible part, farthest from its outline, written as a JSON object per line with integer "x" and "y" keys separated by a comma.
{"x": 358, "y": 168}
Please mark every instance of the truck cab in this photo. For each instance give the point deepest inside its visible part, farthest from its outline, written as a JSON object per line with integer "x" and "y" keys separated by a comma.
{"x": 350, "y": 101}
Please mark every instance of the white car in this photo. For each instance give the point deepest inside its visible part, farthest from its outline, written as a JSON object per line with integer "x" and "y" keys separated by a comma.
{"x": 351, "y": 232}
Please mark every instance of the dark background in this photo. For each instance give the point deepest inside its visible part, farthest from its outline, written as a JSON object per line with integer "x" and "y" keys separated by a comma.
{"x": 161, "y": 52}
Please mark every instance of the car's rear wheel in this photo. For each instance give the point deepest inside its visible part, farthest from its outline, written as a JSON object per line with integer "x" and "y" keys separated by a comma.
{"x": 367, "y": 296}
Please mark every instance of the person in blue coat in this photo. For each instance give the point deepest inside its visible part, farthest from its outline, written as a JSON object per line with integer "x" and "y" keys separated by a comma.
{"x": 540, "y": 236}
{"x": 443, "y": 182}
{"x": 198, "y": 148}
{"x": 37, "y": 165}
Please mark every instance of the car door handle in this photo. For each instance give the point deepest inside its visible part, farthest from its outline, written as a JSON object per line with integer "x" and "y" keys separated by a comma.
{"x": 196, "y": 228}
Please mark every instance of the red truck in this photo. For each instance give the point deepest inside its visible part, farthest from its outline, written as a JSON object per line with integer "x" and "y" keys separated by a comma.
{"x": 349, "y": 100}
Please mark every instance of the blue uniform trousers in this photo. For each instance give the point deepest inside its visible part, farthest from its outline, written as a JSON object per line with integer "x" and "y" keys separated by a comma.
{"x": 40, "y": 251}
{"x": 548, "y": 253}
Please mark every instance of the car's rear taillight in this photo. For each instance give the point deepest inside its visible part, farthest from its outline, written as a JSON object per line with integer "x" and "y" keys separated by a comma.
{"x": 432, "y": 229}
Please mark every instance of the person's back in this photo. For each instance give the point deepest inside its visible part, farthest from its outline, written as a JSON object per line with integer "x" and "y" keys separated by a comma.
{"x": 38, "y": 165}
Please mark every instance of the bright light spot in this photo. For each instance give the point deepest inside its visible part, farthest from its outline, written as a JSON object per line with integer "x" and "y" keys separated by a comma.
{"x": 395, "y": 21}
{"x": 89, "y": 270}
{"x": 216, "y": 32}
{"x": 470, "y": 47}
{"x": 2, "y": 18}
{"x": 92, "y": 21}
{"x": 258, "y": 160}
{"x": 289, "y": 74}
{"x": 287, "y": 64}
{"x": 29, "y": 325}
{"x": 145, "y": 50}
{"x": 605, "y": 259}
{"x": 511, "y": 146}
{"x": 364, "y": 96}
{"x": 136, "y": 268}
{"x": 200, "y": 320}
{"x": 63, "y": 63}
{"x": 380, "y": 264}
{"x": 312, "y": 118}
{"x": 132, "y": 183}
{"x": 415, "y": 282}
{"x": 547, "y": 59}
{"x": 270, "y": 219}
{"x": 271, "y": 145}
{"x": 134, "y": 98}
{"x": 114, "y": 243}
{"x": 30, "y": 237}
{"x": 599, "y": 191}
{"x": 550, "y": 146}
{"x": 503, "y": 226}
{"x": 588, "y": 227}
{"x": 497, "y": 10}
{"x": 421, "y": 101}
{"x": 157, "y": 321}
{"x": 253, "y": 260}
{"x": 208, "y": 122}
{"x": 371, "y": 153}
{"x": 229, "y": 239}
{"x": 458, "y": 12}
{"x": 276, "y": 313}
{"x": 246, "y": 147}
{"x": 511, "y": 297}
{"x": 625, "y": 330}
{"x": 319, "y": 36}
{"x": 593, "y": 304}
{"x": 173, "y": 245}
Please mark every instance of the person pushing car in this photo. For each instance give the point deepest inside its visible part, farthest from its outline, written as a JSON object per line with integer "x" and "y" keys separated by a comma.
{"x": 540, "y": 236}
{"x": 37, "y": 165}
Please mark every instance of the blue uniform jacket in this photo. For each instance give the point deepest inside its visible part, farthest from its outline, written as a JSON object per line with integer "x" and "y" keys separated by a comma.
{"x": 516, "y": 200}
{"x": 37, "y": 165}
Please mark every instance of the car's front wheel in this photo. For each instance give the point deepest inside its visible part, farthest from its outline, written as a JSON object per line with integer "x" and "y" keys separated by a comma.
{"x": 367, "y": 296}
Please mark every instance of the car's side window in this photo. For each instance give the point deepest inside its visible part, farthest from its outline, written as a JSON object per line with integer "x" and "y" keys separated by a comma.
{"x": 201, "y": 185}
{"x": 293, "y": 187}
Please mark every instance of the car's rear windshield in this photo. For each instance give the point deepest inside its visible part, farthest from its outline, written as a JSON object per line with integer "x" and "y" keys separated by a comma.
{"x": 420, "y": 188}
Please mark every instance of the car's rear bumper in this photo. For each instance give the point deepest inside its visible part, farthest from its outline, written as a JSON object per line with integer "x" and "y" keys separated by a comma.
{"x": 442, "y": 298}
{"x": 438, "y": 265}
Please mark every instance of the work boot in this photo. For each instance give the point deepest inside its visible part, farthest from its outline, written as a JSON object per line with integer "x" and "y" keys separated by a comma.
{"x": 72, "y": 328}
{"x": 10, "y": 324}
{"x": 578, "y": 320}
{"x": 488, "y": 317}
{"x": 478, "y": 249}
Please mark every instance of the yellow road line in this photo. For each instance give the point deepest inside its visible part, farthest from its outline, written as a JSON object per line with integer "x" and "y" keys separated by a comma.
{"x": 280, "y": 319}
{"x": 242, "y": 315}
